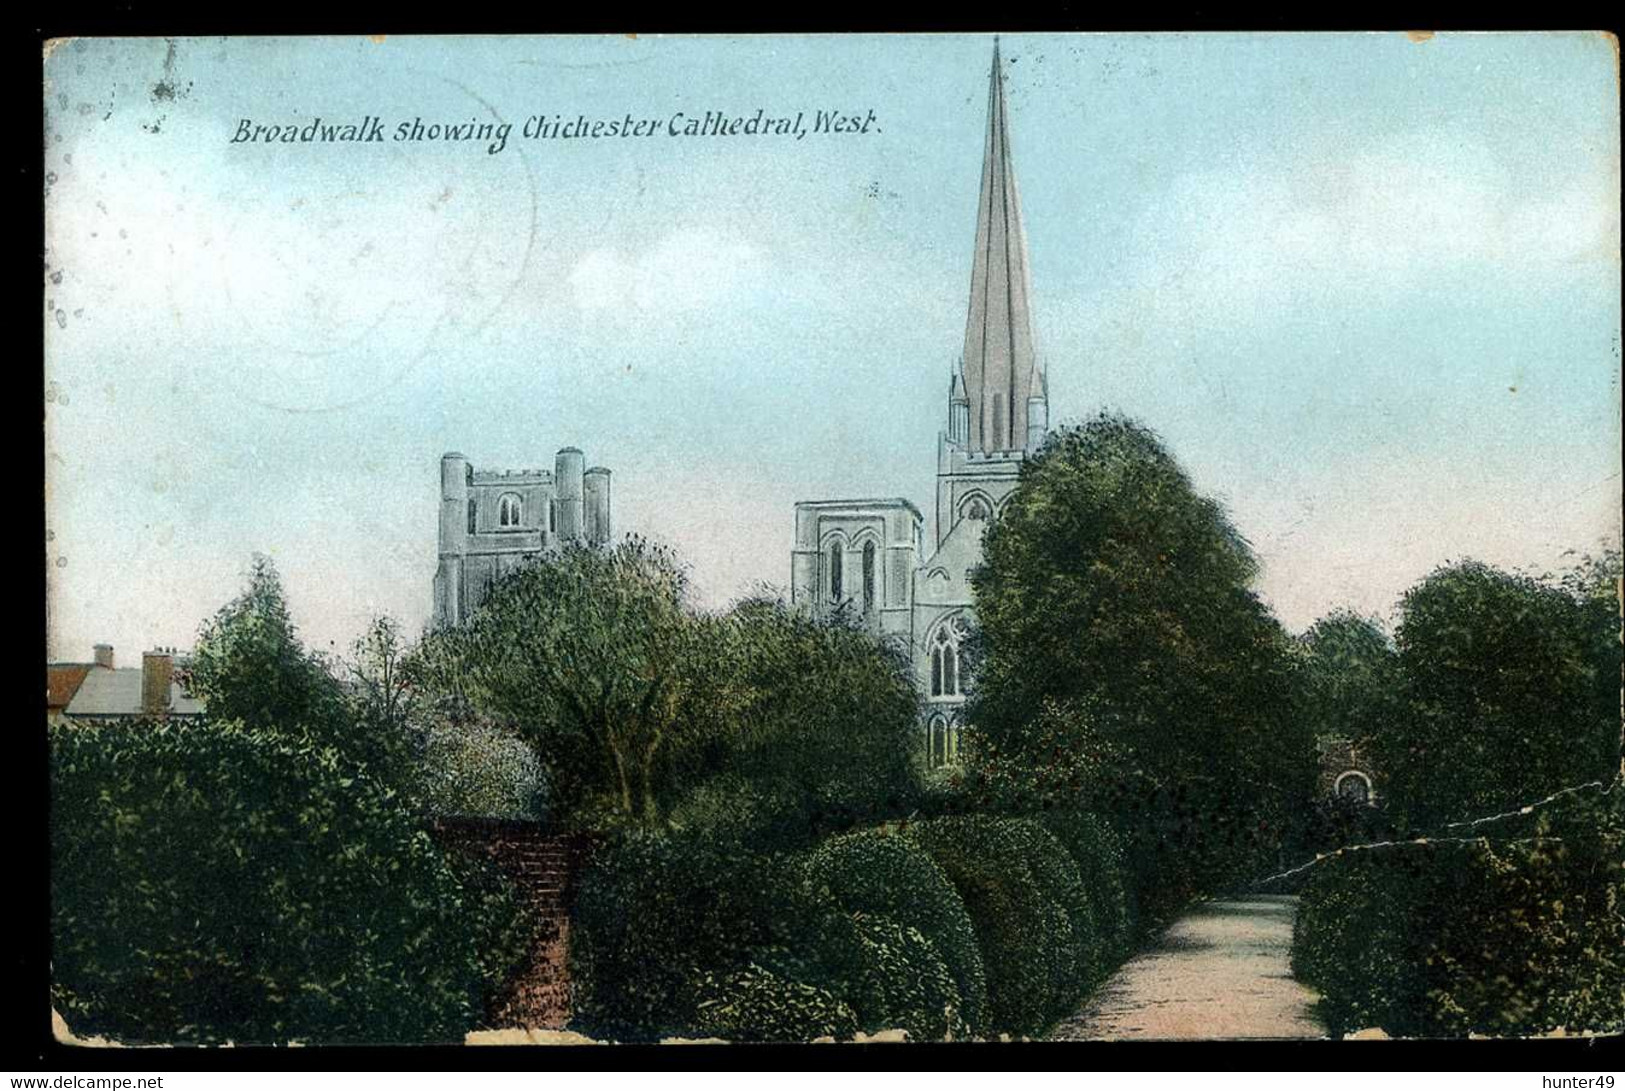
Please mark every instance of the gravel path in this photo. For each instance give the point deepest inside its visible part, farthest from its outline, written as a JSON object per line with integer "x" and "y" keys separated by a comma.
{"x": 1220, "y": 971}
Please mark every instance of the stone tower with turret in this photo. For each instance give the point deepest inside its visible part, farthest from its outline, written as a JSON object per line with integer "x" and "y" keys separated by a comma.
{"x": 492, "y": 521}
{"x": 870, "y": 556}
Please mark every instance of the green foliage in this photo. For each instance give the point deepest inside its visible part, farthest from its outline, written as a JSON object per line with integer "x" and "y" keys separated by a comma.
{"x": 505, "y": 929}
{"x": 1033, "y": 920}
{"x": 249, "y": 668}
{"x": 757, "y": 1005}
{"x": 1511, "y": 688}
{"x": 1348, "y": 675}
{"x": 636, "y": 703}
{"x": 1097, "y": 851}
{"x": 903, "y": 982}
{"x": 1119, "y": 634}
{"x": 475, "y": 769}
{"x": 885, "y": 875}
{"x": 587, "y": 655}
{"x": 785, "y": 692}
{"x": 213, "y": 883}
{"x": 1514, "y": 934}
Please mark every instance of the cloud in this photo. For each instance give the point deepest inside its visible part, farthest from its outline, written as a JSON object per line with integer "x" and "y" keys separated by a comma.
{"x": 1366, "y": 224}
{"x": 686, "y": 270}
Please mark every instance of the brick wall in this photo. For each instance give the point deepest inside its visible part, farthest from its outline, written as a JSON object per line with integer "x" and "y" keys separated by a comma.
{"x": 544, "y": 867}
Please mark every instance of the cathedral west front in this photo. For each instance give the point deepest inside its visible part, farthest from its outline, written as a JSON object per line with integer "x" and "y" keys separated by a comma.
{"x": 871, "y": 556}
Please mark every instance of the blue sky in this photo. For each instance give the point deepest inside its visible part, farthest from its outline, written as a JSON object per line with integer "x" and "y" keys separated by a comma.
{"x": 1366, "y": 288}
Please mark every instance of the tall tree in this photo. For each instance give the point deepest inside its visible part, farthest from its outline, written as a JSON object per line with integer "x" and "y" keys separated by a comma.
{"x": 1114, "y": 592}
{"x": 1511, "y": 687}
{"x": 586, "y": 655}
{"x": 1349, "y": 675}
{"x": 249, "y": 666}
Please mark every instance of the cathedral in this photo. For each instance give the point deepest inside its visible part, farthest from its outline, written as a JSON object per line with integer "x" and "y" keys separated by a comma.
{"x": 870, "y": 555}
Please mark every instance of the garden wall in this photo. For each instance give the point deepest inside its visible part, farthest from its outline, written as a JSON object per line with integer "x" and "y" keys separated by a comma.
{"x": 544, "y": 866}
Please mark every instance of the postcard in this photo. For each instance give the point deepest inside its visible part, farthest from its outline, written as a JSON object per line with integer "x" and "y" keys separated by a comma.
{"x": 802, "y": 538}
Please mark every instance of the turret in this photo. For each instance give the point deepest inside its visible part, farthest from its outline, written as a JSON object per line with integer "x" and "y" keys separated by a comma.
{"x": 454, "y": 499}
{"x": 958, "y": 408}
{"x": 568, "y": 470}
{"x": 596, "y": 487}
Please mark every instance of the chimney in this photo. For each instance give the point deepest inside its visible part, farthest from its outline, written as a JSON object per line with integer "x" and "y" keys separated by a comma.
{"x": 104, "y": 656}
{"x": 157, "y": 672}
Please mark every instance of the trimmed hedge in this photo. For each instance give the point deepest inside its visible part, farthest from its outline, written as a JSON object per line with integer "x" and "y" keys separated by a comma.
{"x": 1032, "y": 917}
{"x": 757, "y": 1005}
{"x": 213, "y": 884}
{"x": 880, "y": 873}
{"x": 682, "y": 934}
{"x": 1098, "y": 851}
{"x": 1516, "y": 936}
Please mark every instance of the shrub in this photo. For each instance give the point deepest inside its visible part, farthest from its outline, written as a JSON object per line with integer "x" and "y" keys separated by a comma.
{"x": 210, "y": 883}
{"x": 1098, "y": 852}
{"x": 1516, "y": 935}
{"x": 475, "y": 769}
{"x": 757, "y": 1005}
{"x": 903, "y": 983}
{"x": 1010, "y": 874}
{"x": 882, "y": 874}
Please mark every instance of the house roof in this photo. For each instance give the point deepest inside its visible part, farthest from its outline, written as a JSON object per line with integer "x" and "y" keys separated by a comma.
{"x": 117, "y": 692}
{"x": 62, "y": 681}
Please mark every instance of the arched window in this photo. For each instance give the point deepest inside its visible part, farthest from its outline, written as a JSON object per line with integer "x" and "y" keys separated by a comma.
{"x": 509, "y": 513}
{"x": 473, "y": 509}
{"x": 836, "y": 590}
{"x": 975, "y": 508}
{"x": 945, "y": 665}
{"x": 868, "y": 576}
{"x": 1354, "y": 786}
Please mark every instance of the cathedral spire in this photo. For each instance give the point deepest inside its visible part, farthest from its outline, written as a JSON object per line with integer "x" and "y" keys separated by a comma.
{"x": 1000, "y": 369}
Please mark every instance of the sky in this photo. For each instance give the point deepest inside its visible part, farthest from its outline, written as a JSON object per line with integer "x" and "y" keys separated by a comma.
{"x": 1366, "y": 288}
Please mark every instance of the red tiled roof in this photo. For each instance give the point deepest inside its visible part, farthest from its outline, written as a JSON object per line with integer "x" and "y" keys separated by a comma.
{"x": 62, "y": 681}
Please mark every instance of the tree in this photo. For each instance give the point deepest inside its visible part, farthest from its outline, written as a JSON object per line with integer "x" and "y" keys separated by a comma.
{"x": 1112, "y": 588}
{"x": 1349, "y": 677}
{"x": 585, "y": 655}
{"x": 384, "y": 704}
{"x": 249, "y": 667}
{"x": 1511, "y": 688}
{"x": 810, "y": 723}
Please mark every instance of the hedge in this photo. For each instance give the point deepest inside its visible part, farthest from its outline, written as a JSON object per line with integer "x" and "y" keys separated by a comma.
{"x": 1098, "y": 851}
{"x": 880, "y": 873}
{"x": 1514, "y": 935}
{"x": 1032, "y": 918}
{"x": 212, "y": 884}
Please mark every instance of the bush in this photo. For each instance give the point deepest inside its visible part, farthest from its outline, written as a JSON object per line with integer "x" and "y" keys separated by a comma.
{"x": 505, "y": 928}
{"x": 903, "y": 983}
{"x": 475, "y": 769}
{"x": 1032, "y": 921}
{"x": 1515, "y": 936}
{"x": 210, "y": 883}
{"x": 1098, "y": 852}
{"x": 886, "y": 875}
{"x": 757, "y": 1005}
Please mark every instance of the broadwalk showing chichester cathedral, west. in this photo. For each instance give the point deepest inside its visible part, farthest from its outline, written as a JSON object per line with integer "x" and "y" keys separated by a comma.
{"x": 868, "y": 556}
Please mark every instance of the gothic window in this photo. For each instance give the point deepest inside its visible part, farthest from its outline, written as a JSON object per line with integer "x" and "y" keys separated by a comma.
{"x": 945, "y": 665}
{"x": 508, "y": 510}
{"x": 976, "y": 508}
{"x": 941, "y": 742}
{"x": 836, "y": 590}
{"x": 868, "y": 576}
{"x": 473, "y": 508}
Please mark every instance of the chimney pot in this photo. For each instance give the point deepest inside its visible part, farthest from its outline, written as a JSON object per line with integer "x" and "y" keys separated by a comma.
{"x": 104, "y": 655}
